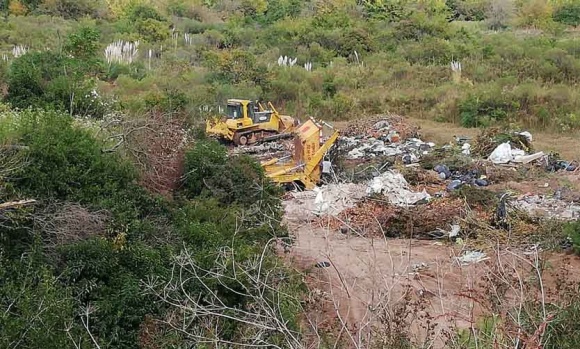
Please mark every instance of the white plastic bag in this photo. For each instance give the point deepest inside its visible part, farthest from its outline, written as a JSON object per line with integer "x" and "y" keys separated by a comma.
{"x": 502, "y": 154}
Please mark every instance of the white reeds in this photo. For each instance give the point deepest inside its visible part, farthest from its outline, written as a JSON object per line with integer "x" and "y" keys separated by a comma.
{"x": 308, "y": 66}
{"x": 19, "y": 50}
{"x": 456, "y": 71}
{"x": 286, "y": 61}
{"x": 122, "y": 52}
{"x": 188, "y": 38}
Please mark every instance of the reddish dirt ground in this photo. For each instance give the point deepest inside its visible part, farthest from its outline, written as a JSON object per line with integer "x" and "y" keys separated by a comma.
{"x": 369, "y": 274}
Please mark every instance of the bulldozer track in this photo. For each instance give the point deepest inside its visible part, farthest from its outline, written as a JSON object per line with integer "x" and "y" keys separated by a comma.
{"x": 256, "y": 137}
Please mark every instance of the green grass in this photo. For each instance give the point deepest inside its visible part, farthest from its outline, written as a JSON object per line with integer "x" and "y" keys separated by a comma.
{"x": 511, "y": 76}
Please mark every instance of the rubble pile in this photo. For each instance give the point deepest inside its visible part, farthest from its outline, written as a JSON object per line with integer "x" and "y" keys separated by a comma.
{"x": 260, "y": 148}
{"x": 266, "y": 151}
{"x": 412, "y": 149}
{"x": 547, "y": 207}
{"x": 378, "y": 126}
{"x": 375, "y": 218}
{"x": 329, "y": 199}
{"x": 411, "y": 188}
{"x": 384, "y": 136}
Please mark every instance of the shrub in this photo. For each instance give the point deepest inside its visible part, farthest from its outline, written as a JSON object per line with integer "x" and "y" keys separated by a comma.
{"x": 568, "y": 13}
{"x": 500, "y": 14}
{"x": 65, "y": 162}
{"x": 476, "y": 111}
{"x": 170, "y": 101}
{"x": 535, "y": 13}
{"x": 231, "y": 180}
{"x": 74, "y": 9}
{"x": 54, "y": 80}
{"x": 37, "y": 305}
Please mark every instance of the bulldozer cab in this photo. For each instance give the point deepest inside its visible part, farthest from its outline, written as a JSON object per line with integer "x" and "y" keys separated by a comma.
{"x": 239, "y": 109}
{"x": 246, "y": 109}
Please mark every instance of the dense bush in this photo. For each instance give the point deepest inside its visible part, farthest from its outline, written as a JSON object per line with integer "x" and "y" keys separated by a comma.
{"x": 59, "y": 81}
{"x": 230, "y": 180}
{"x": 568, "y": 14}
{"x": 104, "y": 271}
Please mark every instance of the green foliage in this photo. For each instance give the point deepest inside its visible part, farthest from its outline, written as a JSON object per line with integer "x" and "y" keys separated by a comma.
{"x": 487, "y": 334}
{"x": 170, "y": 101}
{"x": 49, "y": 79}
{"x": 106, "y": 273}
{"x": 572, "y": 230}
{"x": 37, "y": 311}
{"x": 83, "y": 44}
{"x": 65, "y": 162}
{"x": 482, "y": 111}
{"x": 31, "y": 4}
{"x": 73, "y": 9}
{"x": 568, "y": 14}
{"x": 233, "y": 67}
{"x": 562, "y": 331}
{"x": 109, "y": 278}
{"x": 142, "y": 12}
{"x": 148, "y": 23}
{"x": 234, "y": 180}
{"x": 467, "y": 10}
{"x": 535, "y": 13}
{"x": 278, "y": 10}
{"x": 152, "y": 30}
{"x": 390, "y": 11}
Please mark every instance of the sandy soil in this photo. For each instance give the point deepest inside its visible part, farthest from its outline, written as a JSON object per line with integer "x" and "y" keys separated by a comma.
{"x": 437, "y": 294}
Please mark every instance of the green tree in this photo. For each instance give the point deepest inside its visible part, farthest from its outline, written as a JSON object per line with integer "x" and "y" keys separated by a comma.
{"x": 83, "y": 44}
{"x": 148, "y": 23}
{"x": 50, "y": 79}
{"x": 535, "y": 13}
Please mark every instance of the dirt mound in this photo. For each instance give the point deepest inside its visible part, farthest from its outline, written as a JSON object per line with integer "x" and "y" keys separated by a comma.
{"x": 377, "y": 218}
{"x": 374, "y": 126}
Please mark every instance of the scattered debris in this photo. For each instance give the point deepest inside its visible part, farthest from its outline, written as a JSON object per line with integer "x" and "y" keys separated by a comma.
{"x": 322, "y": 264}
{"x": 537, "y": 205}
{"x": 11, "y": 204}
{"x": 384, "y": 136}
{"x": 329, "y": 199}
{"x": 470, "y": 257}
{"x": 490, "y": 138}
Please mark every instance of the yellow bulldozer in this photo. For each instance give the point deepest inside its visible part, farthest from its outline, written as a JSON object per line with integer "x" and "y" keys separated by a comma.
{"x": 305, "y": 166}
{"x": 248, "y": 122}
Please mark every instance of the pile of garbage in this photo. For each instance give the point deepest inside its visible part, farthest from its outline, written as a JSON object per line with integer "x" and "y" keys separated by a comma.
{"x": 384, "y": 139}
{"x": 547, "y": 207}
{"x": 489, "y": 139}
{"x": 459, "y": 178}
{"x": 379, "y": 126}
{"x": 260, "y": 148}
{"x": 411, "y": 149}
{"x": 504, "y": 153}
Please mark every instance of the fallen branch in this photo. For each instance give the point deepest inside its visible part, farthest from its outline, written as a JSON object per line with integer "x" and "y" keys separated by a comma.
{"x": 12, "y": 204}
